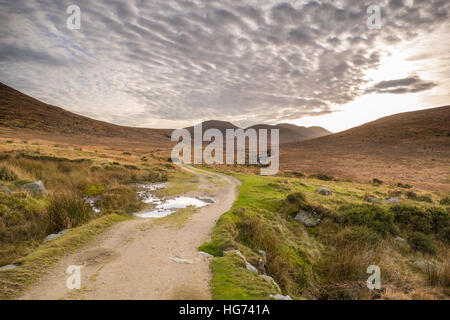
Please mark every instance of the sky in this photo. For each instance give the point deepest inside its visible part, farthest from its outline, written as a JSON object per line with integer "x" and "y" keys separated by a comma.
{"x": 169, "y": 64}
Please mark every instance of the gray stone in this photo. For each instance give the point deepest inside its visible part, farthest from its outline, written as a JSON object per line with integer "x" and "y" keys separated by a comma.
{"x": 55, "y": 235}
{"x": 280, "y": 297}
{"x": 181, "y": 261}
{"x": 324, "y": 191}
{"x": 8, "y": 267}
{"x": 5, "y": 190}
{"x": 35, "y": 188}
{"x": 205, "y": 255}
{"x": 400, "y": 239}
{"x": 392, "y": 201}
{"x": 373, "y": 200}
{"x": 425, "y": 265}
{"x": 271, "y": 281}
{"x": 307, "y": 218}
{"x": 251, "y": 268}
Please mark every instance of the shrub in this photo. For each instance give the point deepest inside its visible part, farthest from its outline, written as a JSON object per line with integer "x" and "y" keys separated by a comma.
{"x": 420, "y": 242}
{"x": 418, "y": 220}
{"x": 445, "y": 201}
{"x": 412, "y": 218}
{"x": 440, "y": 276}
{"x": 294, "y": 202}
{"x": 322, "y": 176}
{"x": 404, "y": 186}
{"x": 414, "y": 196}
{"x": 444, "y": 234}
{"x": 120, "y": 198}
{"x": 7, "y": 174}
{"x": 371, "y": 216}
{"x": 94, "y": 190}
{"x": 377, "y": 181}
{"x": 67, "y": 211}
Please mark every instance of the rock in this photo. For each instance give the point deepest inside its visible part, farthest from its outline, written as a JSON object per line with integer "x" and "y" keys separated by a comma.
{"x": 307, "y": 218}
{"x": 393, "y": 201}
{"x": 261, "y": 266}
{"x": 280, "y": 297}
{"x": 5, "y": 190}
{"x": 251, "y": 268}
{"x": 400, "y": 239}
{"x": 425, "y": 265}
{"x": 181, "y": 261}
{"x": 324, "y": 191}
{"x": 55, "y": 235}
{"x": 35, "y": 188}
{"x": 205, "y": 255}
{"x": 271, "y": 281}
{"x": 373, "y": 200}
{"x": 8, "y": 267}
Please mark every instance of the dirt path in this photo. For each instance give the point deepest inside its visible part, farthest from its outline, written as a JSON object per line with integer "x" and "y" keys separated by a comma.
{"x": 145, "y": 259}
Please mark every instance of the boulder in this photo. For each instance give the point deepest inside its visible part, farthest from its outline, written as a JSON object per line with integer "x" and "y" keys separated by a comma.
{"x": 181, "y": 261}
{"x": 373, "y": 200}
{"x": 393, "y": 201}
{"x": 308, "y": 219}
{"x": 5, "y": 189}
{"x": 324, "y": 191}
{"x": 55, "y": 235}
{"x": 251, "y": 268}
{"x": 35, "y": 188}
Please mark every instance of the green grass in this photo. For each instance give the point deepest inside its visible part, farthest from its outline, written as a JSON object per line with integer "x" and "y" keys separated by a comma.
{"x": 35, "y": 265}
{"x": 316, "y": 262}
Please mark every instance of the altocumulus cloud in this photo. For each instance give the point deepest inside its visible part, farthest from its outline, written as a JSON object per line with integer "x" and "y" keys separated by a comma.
{"x": 163, "y": 61}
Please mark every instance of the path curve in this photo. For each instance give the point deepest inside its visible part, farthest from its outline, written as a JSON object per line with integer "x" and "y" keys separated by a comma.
{"x": 135, "y": 260}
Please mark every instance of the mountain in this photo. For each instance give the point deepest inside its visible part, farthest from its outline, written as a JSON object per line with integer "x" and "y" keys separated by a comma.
{"x": 22, "y": 114}
{"x": 407, "y": 147}
{"x": 288, "y": 132}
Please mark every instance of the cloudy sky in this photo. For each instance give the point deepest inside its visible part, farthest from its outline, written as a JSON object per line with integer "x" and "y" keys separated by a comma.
{"x": 166, "y": 63}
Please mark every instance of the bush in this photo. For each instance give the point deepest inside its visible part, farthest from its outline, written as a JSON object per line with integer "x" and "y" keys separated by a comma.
{"x": 7, "y": 174}
{"x": 120, "y": 198}
{"x": 377, "y": 181}
{"x": 371, "y": 216}
{"x": 294, "y": 202}
{"x": 67, "y": 211}
{"x": 420, "y": 242}
{"x": 404, "y": 186}
{"x": 322, "y": 176}
{"x": 415, "y": 219}
{"x": 94, "y": 190}
{"x": 444, "y": 234}
{"x": 414, "y": 196}
{"x": 445, "y": 201}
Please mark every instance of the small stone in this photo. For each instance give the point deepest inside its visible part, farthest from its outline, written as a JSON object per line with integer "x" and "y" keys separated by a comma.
{"x": 393, "y": 201}
{"x": 181, "y": 261}
{"x": 373, "y": 200}
{"x": 8, "y": 267}
{"x": 205, "y": 255}
{"x": 251, "y": 268}
{"x": 425, "y": 265}
{"x": 5, "y": 190}
{"x": 55, "y": 235}
{"x": 271, "y": 281}
{"x": 35, "y": 188}
{"x": 280, "y": 297}
{"x": 307, "y": 219}
{"x": 324, "y": 191}
{"x": 400, "y": 239}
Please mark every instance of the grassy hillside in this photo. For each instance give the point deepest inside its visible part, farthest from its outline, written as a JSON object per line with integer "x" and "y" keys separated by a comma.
{"x": 329, "y": 261}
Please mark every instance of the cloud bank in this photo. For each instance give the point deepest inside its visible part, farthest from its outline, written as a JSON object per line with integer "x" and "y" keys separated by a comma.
{"x": 152, "y": 63}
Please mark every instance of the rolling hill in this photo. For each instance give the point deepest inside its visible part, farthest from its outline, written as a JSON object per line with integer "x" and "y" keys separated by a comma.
{"x": 411, "y": 146}
{"x": 23, "y": 116}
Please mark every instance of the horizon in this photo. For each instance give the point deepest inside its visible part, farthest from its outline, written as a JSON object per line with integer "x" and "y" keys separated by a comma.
{"x": 169, "y": 64}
